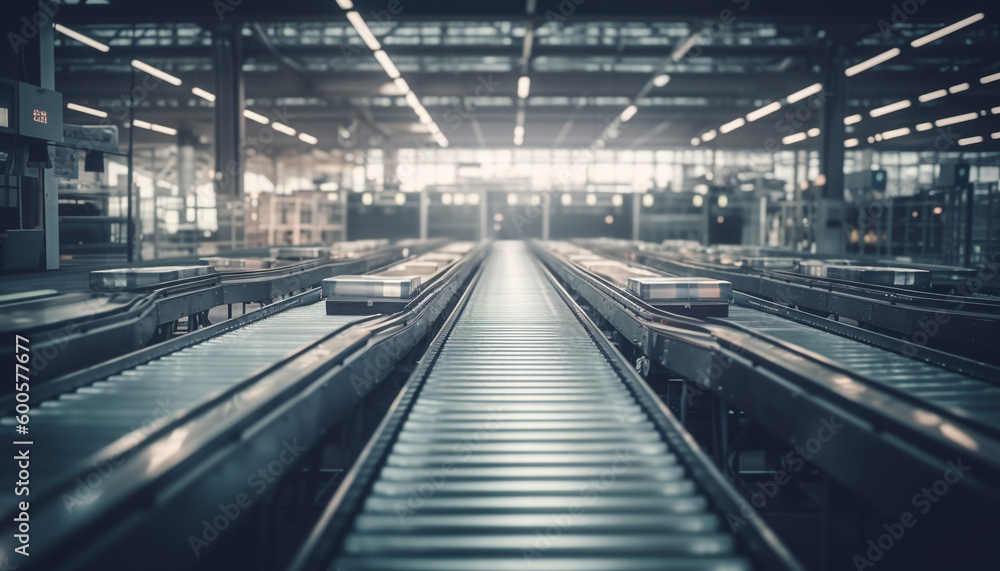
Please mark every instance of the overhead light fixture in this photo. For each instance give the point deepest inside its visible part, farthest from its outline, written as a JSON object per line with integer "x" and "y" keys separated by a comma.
{"x": 696, "y": 141}
{"x": 852, "y": 119}
{"x": 367, "y": 199}
{"x": 870, "y": 63}
{"x": 143, "y": 124}
{"x": 523, "y": 86}
{"x": 387, "y": 65}
{"x": 399, "y": 199}
{"x": 925, "y": 126}
{"x": 995, "y": 136}
{"x": 989, "y": 78}
{"x": 648, "y": 200}
{"x": 814, "y": 132}
{"x": 87, "y": 110}
{"x": 82, "y": 38}
{"x": 932, "y": 95}
{"x": 996, "y": 110}
{"x": 763, "y": 111}
{"x": 591, "y": 199}
{"x": 803, "y": 93}
{"x": 924, "y": 40}
{"x": 970, "y": 140}
{"x": 281, "y": 128}
{"x": 956, "y": 119}
{"x": 566, "y": 199}
{"x": 617, "y": 199}
{"x": 308, "y": 139}
{"x": 663, "y": 79}
{"x": 709, "y": 136}
{"x": 165, "y": 130}
{"x": 796, "y": 138}
{"x": 433, "y": 128}
{"x": 203, "y": 94}
{"x": 256, "y": 117}
{"x": 412, "y": 100}
{"x": 519, "y": 131}
{"x": 902, "y": 131}
{"x": 732, "y": 125}
{"x": 958, "y": 88}
{"x": 442, "y": 141}
{"x": 362, "y": 29}
{"x": 628, "y": 113}
{"x": 685, "y": 47}
{"x": 156, "y": 73}
{"x": 345, "y": 4}
{"x": 892, "y": 107}
{"x": 401, "y": 85}
{"x": 851, "y": 143}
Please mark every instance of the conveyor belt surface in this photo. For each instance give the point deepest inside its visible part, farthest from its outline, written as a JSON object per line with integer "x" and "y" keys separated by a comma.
{"x": 71, "y": 429}
{"x": 960, "y": 395}
{"x": 524, "y": 449}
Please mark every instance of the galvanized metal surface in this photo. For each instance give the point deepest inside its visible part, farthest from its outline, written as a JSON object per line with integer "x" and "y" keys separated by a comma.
{"x": 68, "y": 431}
{"x": 960, "y": 395}
{"x": 525, "y": 450}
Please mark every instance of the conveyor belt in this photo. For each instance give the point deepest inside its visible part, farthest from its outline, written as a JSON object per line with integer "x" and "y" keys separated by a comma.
{"x": 962, "y": 396}
{"x": 70, "y": 430}
{"x": 524, "y": 449}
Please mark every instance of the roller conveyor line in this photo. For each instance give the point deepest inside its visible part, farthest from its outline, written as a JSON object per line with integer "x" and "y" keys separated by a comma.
{"x": 524, "y": 418}
{"x": 129, "y": 405}
{"x": 963, "y": 396}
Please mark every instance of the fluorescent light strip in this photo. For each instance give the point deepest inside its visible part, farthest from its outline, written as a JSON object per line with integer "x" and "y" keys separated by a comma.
{"x": 87, "y": 110}
{"x": 256, "y": 117}
{"x": 82, "y": 38}
{"x": 996, "y": 110}
{"x": 661, "y": 80}
{"x": 628, "y": 113}
{"x": 142, "y": 124}
{"x": 308, "y": 139}
{"x": 989, "y": 78}
{"x": 890, "y": 108}
{"x": 387, "y": 65}
{"x": 709, "y": 136}
{"x": 281, "y": 128}
{"x": 870, "y": 63}
{"x": 923, "y": 41}
{"x": 958, "y": 88}
{"x": 156, "y": 73}
{"x": 519, "y": 131}
{"x": 852, "y": 119}
{"x": 203, "y": 94}
{"x": 895, "y": 133}
{"x": 956, "y": 119}
{"x": 523, "y": 87}
{"x": 763, "y": 111}
{"x": 732, "y": 125}
{"x": 803, "y": 93}
{"x": 696, "y": 141}
{"x": 814, "y": 132}
{"x": 970, "y": 140}
{"x": 345, "y": 4}
{"x": 401, "y": 85}
{"x": 362, "y": 29}
{"x": 925, "y": 127}
{"x": 442, "y": 140}
{"x": 932, "y": 95}
{"x": 797, "y": 137}
{"x": 851, "y": 143}
{"x": 685, "y": 47}
{"x": 995, "y": 136}
{"x": 164, "y": 130}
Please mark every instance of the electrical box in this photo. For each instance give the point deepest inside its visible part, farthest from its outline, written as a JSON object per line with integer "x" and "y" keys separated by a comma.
{"x": 30, "y": 112}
